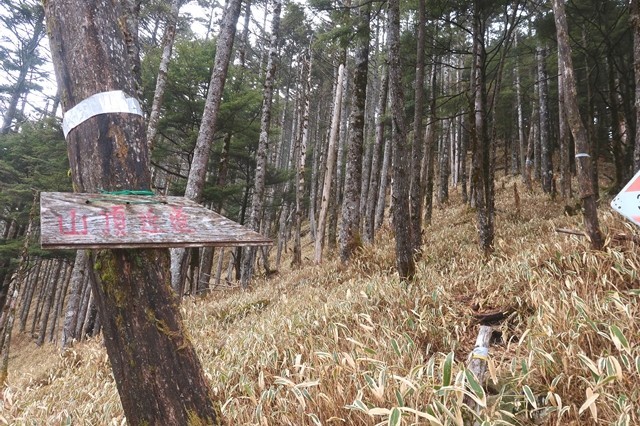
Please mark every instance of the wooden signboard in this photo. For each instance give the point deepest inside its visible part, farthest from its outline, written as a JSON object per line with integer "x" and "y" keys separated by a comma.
{"x": 78, "y": 221}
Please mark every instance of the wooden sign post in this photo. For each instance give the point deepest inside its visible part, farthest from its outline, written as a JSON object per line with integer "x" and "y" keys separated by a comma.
{"x": 80, "y": 221}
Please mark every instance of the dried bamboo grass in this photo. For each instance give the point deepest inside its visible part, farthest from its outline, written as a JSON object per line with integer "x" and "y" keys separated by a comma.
{"x": 335, "y": 344}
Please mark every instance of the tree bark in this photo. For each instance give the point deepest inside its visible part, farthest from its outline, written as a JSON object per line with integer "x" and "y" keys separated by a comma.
{"x": 464, "y": 143}
{"x": 244, "y": 45}
{"x": 337, "y": 190}
{"x": 300, "y": 166}
{"x": 621, "y": 173}
{"x": 443, "y": 163}
{"x": 350, "y": 238}
{"x": 534, "y": 124}
{"x": 430, "y": 144}
{"x": 583, "y": 160}
{"x": 28, "y": 294}
{"x": 156, "y": 370}
{"x": 482, "y": 176}
{"x": 377, "y": 158}
{"x": 329, "y": 167}
{"x": 202, "y": 150}
{"x": 385, "y": 175}
{"x": 61, "y": 290}
{"x": 315, "y": 177}
{"x": 564, "y": 137}
{"x": 206, "y": 265}
{"x": 9, "y": 310}
{"x": 52, "y": 288}
{"x": 417, "y": 146}
{"x": 257, "y": 199}
{"x": 44, "y": 283}
{"x": 546, "y": 164}
{"x": 405, "y": 262}
{"x": 592, "y": 136}
{"x": 27, "y": 58}
{"x": 90, "y": 318}
{"x": 85, "y": 298}
{"x": 163, "y": 69}
{"x": 521, "y": 139}
{"x": 78, "y": 277}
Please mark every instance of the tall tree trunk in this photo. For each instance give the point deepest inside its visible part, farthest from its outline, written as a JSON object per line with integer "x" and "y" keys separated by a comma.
{"x": 52, "y": 287}
{"x": 376, "y": 160}
{"x": 315, "y": 176}
{"x": 61, "y": 290}
{"x": 330, "y": 164}
{"x": 522, "y": 144}
{"x": 583, "y": 160}
{"x": 337, "y": 190}
{"x": 130, "y": 25}
{"x": 198, "y": 172}
{"x": 302, "y": 155}
{"x": 28, "y": 59}
{"x": 534, "y": 124}
{"x": 443, "y": 163}
{"x": 593, "y": 139}
{"x": 430, "y": 144}
{"x": 535, "y": 158}
{"x": 156, "y": 369}
{"x": 464, "y": 145}
{"x": 350, "y": 238}
{"x": 564, "y": 138}
{"x": 482, "y": 176}
{"x": 244, "y": 45}
{"x": 287, "y": 211}
{"x": 621, "y": 173}
{"x": 546, "y": 164}
{"x": 400, "y": 203}
{"x": 417, "y": 189}
{"x": 206, "y": 263}
{"x": 385, "y": 172}
{"x": 78, "y": 277}
{"x": 369, "y": 137}
{"x": 43, "y": 283}
{"x": 84, "y": 304}
{"x": 456, "y": 143}
{"x": 257, "y": 199}
{"x": 90, "y": 318}
{"x": 204, "y": 269}
{"x": 28, "y": 294}
{"x": 9, "y": 310}
{"x": 163, "y": 69}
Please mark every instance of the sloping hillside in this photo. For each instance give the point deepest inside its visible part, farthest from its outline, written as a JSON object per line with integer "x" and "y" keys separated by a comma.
{"x": 351, "y": 345}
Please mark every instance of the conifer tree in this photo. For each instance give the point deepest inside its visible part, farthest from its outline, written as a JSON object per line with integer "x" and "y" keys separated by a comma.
{"x": 157, "y": 372}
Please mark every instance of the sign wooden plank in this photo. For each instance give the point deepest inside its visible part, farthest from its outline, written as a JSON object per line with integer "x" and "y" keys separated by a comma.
{"x": 76, "y": 220}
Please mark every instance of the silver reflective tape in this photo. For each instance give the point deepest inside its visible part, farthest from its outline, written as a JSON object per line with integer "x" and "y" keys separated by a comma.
{"x": 101, "y": 103}
{"x": 481, "y": 351}
{"x": 582, "y": 155}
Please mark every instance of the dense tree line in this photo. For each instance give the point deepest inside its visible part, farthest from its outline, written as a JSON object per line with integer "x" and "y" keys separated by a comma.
{"x": 326, "y": 121}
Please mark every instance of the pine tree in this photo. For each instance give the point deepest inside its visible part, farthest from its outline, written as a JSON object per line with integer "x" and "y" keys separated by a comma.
{"x": 139, "y": 313}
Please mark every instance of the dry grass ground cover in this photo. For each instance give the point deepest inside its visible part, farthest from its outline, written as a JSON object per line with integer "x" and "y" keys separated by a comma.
{"x": 351, "y": 345}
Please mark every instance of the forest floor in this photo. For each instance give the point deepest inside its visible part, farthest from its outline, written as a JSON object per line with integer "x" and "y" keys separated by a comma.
{"x": 350, "y": 345}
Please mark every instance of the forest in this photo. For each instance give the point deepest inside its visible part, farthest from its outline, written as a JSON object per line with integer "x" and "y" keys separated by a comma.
{"x": 435, "y": 176}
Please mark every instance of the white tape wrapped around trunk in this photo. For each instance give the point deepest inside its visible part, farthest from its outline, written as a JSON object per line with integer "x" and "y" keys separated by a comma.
{"x": 101, "y": 103}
